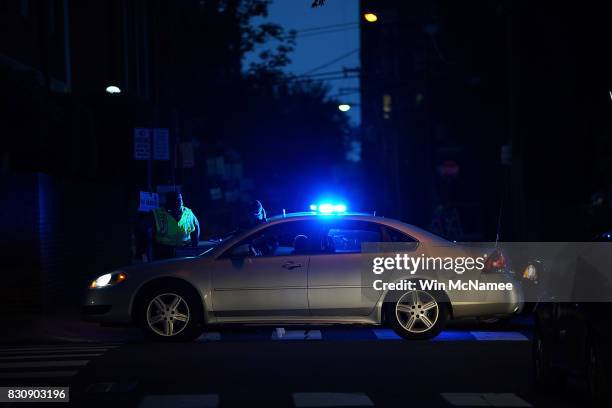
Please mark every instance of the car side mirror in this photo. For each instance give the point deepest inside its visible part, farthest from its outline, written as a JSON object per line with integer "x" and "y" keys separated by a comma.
{"x": 241, "y": 251}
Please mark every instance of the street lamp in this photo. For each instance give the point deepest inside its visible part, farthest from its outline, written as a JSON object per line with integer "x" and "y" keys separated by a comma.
{"x": 370, "y": 17}
{"x": 344, "y": 107}
{"x": 112, "y": 89}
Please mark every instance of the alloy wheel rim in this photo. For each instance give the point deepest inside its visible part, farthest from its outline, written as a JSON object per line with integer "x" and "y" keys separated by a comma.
{"x": 417, "y": 311}
{"x": 168, "y": 314}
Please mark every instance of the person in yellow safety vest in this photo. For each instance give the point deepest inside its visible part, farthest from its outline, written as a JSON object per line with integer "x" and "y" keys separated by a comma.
{"x": 174, "y": 226}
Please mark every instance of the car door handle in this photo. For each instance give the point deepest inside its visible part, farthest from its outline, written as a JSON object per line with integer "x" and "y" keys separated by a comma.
{"x": 291, "y": 265}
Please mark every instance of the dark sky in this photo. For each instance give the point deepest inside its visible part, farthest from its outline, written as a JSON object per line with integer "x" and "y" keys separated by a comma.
{"x": 319, "y": 47}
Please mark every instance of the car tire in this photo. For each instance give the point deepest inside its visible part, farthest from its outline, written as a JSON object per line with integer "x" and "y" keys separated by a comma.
{"x": 170, "y": 314}
{"x": 545, "y": 375}
{"x": 418, "y": 314}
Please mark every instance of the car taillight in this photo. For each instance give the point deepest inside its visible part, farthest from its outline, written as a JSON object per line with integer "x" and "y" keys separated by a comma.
{"x": 496, "y": 260}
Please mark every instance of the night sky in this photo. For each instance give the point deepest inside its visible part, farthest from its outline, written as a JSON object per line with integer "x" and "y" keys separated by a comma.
{"x": 319, "y": 47}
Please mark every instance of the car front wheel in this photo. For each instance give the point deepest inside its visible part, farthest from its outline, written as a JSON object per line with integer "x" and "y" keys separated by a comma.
{"x": 170, "y": 315}
{"x": 418, "y": 314}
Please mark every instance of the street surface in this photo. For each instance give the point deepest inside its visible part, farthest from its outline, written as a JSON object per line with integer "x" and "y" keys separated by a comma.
{"x": 292, "y": 367}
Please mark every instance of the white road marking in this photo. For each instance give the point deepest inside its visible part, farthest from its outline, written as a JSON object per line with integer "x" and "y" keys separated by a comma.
{"x": 99, "y": 387}
{"x": 210, "y": 336}
{"x": 331, "y": 399}
{"x": 38, "y": 364}
{"x": 60, "y": 346}
{"x": 180, "y": 400}
{"x": 51, "y": 350}
{"x": 39, "y": 374}
{"x": 47, "y": 356}
{"x": 386, "y": 334}
{"x": 297, "y": 335}
{"x": 499, "y": 336}
{"x": 59, "y": 360}
{"x": 470, "y": 399}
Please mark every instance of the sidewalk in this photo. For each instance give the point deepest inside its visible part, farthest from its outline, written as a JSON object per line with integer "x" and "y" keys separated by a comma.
{"x": 62, "y": 327}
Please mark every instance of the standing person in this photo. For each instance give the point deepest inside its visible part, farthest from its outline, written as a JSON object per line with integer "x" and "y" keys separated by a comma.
{"x": 257, "y": 214}
{"x": 252, "y": 214}
{"x": 174, "y": 225}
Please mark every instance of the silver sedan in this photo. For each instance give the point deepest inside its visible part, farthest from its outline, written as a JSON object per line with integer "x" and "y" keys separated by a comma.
{"x": 302, "y": 268}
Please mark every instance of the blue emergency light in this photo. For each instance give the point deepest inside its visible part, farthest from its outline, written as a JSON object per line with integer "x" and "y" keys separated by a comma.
{"x": 328, "y": 208}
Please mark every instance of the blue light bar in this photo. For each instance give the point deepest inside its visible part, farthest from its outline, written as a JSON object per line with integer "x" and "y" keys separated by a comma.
{"x": 339, "y": 208}
{"x": 328, "y": 208}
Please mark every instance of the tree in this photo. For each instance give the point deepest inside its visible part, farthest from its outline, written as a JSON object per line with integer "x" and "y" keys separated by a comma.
{"x": 287, "y": 132}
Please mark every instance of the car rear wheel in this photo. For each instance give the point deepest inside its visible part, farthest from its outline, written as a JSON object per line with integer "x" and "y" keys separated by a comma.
{"x": 418, "y": 314}
{"x": 170, "y": 314}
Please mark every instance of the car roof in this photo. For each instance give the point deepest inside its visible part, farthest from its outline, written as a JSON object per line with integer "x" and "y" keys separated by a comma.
{"x": 315, "y": 214}
{"x": 415, "y": 232}
{"x": 412, "y": 230}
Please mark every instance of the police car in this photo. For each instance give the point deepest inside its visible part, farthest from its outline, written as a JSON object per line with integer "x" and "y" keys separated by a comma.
{"x": 298, "y": 268}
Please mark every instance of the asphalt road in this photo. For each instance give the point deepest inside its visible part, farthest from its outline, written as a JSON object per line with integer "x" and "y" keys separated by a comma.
{"x": 267, "y": 367}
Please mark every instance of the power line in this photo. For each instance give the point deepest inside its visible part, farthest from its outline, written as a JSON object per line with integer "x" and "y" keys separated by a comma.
{"x": 324, "y": 79}
{"x": 315, "y": 33}
{"x": 343, "y": 71}
{"x": 327, "y": 27}
{"x": 327, "y": 64}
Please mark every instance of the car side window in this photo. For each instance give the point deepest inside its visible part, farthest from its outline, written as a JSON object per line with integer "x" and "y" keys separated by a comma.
{"x": 393, "y": 235}
{"x": 285, "y": 239}
{"x": 347, "y": 236}
{"x": 405, "y": 242}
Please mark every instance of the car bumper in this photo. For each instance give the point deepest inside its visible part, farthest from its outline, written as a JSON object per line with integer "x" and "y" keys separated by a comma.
{"x": 501, "y": 303}
{"x": 110, "y": 305}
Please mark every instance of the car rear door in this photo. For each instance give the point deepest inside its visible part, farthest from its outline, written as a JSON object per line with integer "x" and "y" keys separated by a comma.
{"x": 335, "y": 284}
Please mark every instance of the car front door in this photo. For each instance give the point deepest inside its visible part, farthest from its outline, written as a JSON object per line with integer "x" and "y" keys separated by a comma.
{"x": 264, "y": 275}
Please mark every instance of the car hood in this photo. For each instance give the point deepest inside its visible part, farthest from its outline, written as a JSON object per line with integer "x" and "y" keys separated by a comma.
{"x": 163, "y": 267}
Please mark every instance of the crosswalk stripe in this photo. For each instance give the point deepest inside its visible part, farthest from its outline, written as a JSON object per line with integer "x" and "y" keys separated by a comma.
{"x": 40, "y": 364}
{"x": 58, "y": 360}
{"x": 180, "y": 400}
{"x": 48, "y": 356}
{"x": 331, "y": 399}
{"x": 296, "y": 335}
{"x": 46, "y": 351}
{"x": 210, "y": 336}
{"x": 54, "y": 348}
{"x": 386, "y": 334}
{"x": 38, "y": 374}
{"x": 498, "y": 336}
{"x": 472, "y": 399}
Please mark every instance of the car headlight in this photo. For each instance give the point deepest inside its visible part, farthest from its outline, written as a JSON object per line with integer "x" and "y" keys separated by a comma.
{"x": 108, "y": 279}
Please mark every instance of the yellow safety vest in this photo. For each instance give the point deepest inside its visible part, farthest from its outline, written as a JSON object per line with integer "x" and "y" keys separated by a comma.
{"x": 170, "y": 232}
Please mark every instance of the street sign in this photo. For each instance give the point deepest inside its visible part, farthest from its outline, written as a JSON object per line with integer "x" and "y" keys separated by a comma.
{"x": 161, "y": 144}
{"x": 142, "y": 144}
{"x": 148, "y": 201}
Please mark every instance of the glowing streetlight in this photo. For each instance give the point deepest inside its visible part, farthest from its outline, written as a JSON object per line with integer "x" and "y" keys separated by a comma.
{"x": 344, "y": 107}
{"x": 370, "y": 17}
{"x": 112, "y": 89}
